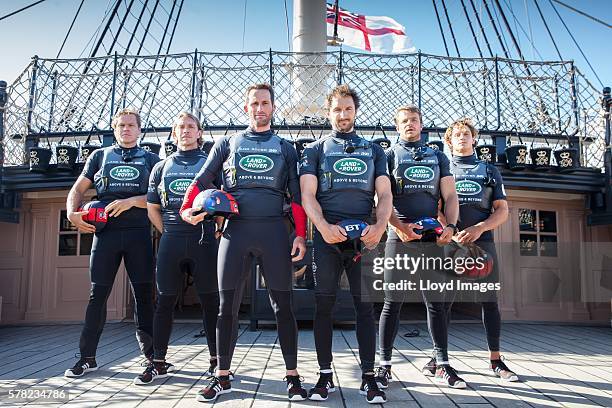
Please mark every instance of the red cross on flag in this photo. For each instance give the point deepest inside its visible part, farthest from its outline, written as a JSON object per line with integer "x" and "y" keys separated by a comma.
{"x": 378, "y": 34}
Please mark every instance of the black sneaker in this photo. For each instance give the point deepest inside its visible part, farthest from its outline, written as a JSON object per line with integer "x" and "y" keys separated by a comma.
{"x": 429, "y": 369}
{"x": 445, "y": 374}
{"x": 212, "y": 369}
{"x": 295, "y": 391}
{"x": 149, "y": 360}
{"x": 83, "y": 366}
{"x": 502, "y": 371}
{"x": 155, "y": 370}
{"x": 383, "y": 376}
{"x": 322, "y": 388}
{"x": 215, "y": 387}
{"x": 370, "y": 389}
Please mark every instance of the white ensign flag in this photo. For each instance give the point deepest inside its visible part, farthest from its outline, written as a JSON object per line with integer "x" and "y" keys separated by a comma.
{"x": 379, "y": 34}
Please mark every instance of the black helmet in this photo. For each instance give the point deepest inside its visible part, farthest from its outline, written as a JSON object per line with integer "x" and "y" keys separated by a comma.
{"x": 96, "y": 214}
{"x": 300, "y": 143}
{"x": 382, "y": 142}
{"x": 216, "y": 203}
{"x": 353, "y": 229}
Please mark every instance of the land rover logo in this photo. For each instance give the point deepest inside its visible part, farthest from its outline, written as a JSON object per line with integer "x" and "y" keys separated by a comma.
{"x": 420, "y": 174}
{"x": 350, "y": 166}
{"x": 179, "y": 186}
{"x": 467, "y": 187}
{"x": 124, "y": 173}
{"x": 256, "y": 163}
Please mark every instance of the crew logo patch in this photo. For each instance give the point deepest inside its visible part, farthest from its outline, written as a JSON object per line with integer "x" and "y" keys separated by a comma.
{"x": 350, "y": 166}
{"x": 124, "y": 173}
{"x": 256, "y": 163}
{"x": 419, "y": 174}
{"x": 179, "y": 186}
{"x": 467, "y": 187}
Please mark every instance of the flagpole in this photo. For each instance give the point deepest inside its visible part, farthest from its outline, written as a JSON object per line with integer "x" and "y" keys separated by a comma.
{"x": 336, "y": 20}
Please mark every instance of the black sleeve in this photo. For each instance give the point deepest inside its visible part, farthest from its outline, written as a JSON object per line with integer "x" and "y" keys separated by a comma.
{"x": 154, "y": 180}
{"x": 380, "y": 161}
{"x": 152, "y": 159}
{"x": 444, "y": 164}
{"x": 499, "y": 192}
{"x": 293, "y": 180}
{"x": 391, "y": 166}
{"x": 214, "y": 164}
{"x": 309, "y": 162}
{"x": 93, "y": 164}
{"x": 218, "y": 181}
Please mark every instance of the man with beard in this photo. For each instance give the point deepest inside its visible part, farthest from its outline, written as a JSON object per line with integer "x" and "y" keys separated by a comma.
{"x": 340, "y": 174}
{"x": 259, "y": 168}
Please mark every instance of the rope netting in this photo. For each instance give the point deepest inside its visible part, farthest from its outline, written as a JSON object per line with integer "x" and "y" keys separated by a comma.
{"x": 530, "y": 99}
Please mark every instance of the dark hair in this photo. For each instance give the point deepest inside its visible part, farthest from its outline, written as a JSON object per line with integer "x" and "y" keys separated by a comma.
{"x": 408, "y": 108}
{"x": 268, "y": 87}
{"x": 339, "y": 92}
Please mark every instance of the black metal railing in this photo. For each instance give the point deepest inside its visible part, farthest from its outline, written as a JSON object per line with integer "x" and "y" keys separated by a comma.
{"x": 544, "y": 101}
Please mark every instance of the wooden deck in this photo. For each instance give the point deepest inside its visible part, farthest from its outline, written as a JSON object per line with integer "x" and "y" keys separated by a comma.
{"x": 559, "y": 366}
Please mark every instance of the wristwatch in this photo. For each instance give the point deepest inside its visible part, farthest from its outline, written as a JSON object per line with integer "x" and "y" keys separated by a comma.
{"x": 454, "y": 227}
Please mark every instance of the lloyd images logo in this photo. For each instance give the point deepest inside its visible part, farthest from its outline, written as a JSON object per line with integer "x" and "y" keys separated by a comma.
{"x": 467, "y": 187}
{"x": 420, "y": 174}
{"x": 124, "y": 173}
{"x": 256, "y": 163}
{"x": 350, "y": 167}
{"x": 179, "y": 186}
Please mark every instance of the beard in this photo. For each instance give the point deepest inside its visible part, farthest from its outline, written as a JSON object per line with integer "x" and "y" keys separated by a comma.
{"x": 263, "y": 121}
{"x": 344, "y": 126}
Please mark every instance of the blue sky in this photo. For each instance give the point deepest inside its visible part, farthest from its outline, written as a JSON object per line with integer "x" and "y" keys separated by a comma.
{"x": 211, "y": 25}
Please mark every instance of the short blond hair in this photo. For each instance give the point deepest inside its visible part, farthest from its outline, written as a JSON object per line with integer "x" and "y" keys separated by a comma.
{"x": 185, "y": 114}
{"x": 460, "y": 123}
{"x": 123, "y": 112}
{"x": 408, "y": 108}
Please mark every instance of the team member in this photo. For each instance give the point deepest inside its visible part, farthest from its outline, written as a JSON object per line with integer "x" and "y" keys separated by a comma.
{"x": 339, "y": 176}
{"x": 119, "y": 174}
{"x": 479, "y": 215}
{"x": 420, "y": 176}
{"x": 258, "y": 169}
{"x": 182, "y": 246}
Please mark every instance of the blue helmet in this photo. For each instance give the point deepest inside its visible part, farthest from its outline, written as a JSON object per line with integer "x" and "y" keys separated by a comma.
{"x": 216, "y": 203}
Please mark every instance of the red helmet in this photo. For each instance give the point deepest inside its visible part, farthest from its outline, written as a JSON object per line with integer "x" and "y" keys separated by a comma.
{"x": 480, "y": 263}
{"x": 431, "y": 226}
{"x": 216, "y": 203}
{"x": 96, "y": 214}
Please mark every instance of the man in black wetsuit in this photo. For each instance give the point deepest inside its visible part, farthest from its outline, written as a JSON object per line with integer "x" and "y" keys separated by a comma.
{"x": 119, "y": 174}
{"x": 482, "y": 208}
{"x": 180, "y": 249}
{"x": 340, "y": 174}
{"x": 259, "y": 168}
{"x": 420, "y": 177}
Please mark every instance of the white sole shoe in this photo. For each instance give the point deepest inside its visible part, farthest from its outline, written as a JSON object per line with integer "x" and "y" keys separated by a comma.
{"x": 69, "y": 374}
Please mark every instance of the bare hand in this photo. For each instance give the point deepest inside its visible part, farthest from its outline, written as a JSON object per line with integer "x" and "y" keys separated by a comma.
{"x": 333, "y": 234}
{"x": 371, "y": 235}
{"x": 446, "y": 237}
{"x": 117, "y": 207}
{"x": 298, "y": 250}
{"x": 189, "y": 218}
{"x": 406, "y": 233}
{"x": 76, "y": 218}
{"x": 470, "y": 234}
